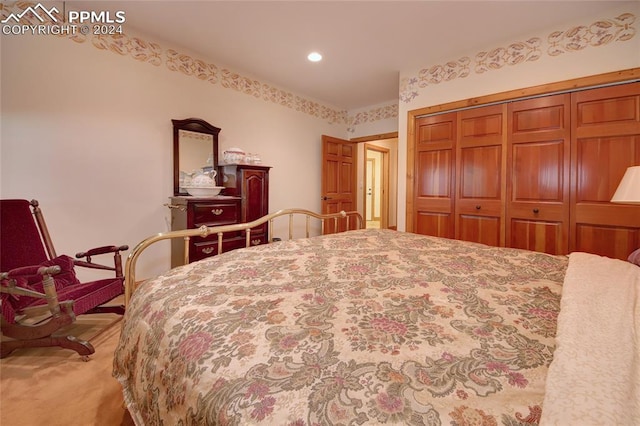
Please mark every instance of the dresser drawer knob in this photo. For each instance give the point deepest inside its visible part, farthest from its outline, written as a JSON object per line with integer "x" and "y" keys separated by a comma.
{"x": 536, "y": 211}
{"x": 217, "y": 212}
{"x": 207, "y": 250}
{"x": 255, "y": 242}
{"x": 478, "y": 207}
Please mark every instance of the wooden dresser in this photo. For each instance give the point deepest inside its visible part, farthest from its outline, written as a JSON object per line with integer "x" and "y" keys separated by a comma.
{"x": 193, "y": 212}
{"x": 245, "y": 198}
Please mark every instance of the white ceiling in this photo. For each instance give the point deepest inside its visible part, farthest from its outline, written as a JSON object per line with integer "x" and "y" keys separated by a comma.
{"x": 364, "y": 43}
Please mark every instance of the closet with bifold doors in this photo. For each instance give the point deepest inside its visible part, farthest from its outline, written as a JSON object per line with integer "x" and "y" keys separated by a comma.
{"x": 535, "y": 174}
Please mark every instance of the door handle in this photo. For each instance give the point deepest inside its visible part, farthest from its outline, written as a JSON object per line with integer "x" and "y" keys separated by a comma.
{"x": 325, "y": 198}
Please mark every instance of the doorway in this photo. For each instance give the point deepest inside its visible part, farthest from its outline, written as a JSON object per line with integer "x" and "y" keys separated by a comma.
{"x": 376, "y": 187}
{"x": 384, "y": 149}
{"x": 344, "y": 176}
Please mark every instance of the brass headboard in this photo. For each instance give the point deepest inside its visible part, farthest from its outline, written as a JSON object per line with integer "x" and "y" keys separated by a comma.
{"x": 204, "y": 231}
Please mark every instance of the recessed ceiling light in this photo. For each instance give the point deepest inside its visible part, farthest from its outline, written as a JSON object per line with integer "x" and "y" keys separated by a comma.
{"x": 314, "y": 57}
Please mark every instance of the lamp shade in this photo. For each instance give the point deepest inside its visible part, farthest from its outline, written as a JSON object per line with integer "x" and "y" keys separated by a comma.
{"x": 628, "y": 191}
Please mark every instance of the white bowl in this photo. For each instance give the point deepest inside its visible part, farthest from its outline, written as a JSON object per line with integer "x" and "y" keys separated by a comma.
{"x": 204, "y": 191}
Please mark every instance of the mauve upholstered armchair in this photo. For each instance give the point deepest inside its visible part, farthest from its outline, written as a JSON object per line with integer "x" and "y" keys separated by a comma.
{"x": 40, "y": 292}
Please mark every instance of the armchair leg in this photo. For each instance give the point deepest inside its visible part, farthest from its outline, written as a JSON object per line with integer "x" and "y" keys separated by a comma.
{"x": 42, "y": 335}
{"x": 82, "y": 347}
{"x": 108, "y": 309}
{"x": 39, "y": 331}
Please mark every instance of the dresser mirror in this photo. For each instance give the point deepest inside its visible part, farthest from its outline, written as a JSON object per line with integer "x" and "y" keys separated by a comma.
{"x": 195, "y": 151}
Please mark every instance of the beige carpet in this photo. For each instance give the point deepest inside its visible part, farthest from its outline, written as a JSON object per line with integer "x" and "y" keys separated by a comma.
{"x": 53, "y": 386}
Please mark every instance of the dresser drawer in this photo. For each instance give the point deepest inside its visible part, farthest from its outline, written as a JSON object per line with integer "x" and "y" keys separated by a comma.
{"x": 215, "y": 213}
{"x": 201, "y": 248}
{"x": 194, "y": 212}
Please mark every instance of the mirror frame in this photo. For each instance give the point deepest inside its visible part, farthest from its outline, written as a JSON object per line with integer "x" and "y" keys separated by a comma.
{"x": 193, "y": 125}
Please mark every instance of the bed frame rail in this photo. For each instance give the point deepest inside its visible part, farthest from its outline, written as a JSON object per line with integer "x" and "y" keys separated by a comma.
{"x": 350, "y": 220}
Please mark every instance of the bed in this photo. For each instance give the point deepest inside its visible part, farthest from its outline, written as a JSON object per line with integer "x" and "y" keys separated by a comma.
{"x": 377, "y": 326}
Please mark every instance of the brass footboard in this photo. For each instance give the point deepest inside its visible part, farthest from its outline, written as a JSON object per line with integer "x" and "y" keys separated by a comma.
{"x": 340, "y": 221}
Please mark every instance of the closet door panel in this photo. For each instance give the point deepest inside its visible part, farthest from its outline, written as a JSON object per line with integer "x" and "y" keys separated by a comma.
{"x": 434, "y": 224}
{"x": 614, "y": 241}
{"x": 479, "y": 207}
{"x": 435, "y": 179}
{"x": 434, "y": 171}
{"x": 601, "y": 163}
{"x": 606, "y": 140}
{"x": 537, "y": 174}
{"x": 538, "y": 190}
{"x": 536, "y": 235}
{"x": 480, "y": 175}
{"x": 480, "y": 229}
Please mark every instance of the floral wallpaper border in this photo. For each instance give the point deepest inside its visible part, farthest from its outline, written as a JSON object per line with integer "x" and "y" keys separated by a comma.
{"x": 597, "y": 34}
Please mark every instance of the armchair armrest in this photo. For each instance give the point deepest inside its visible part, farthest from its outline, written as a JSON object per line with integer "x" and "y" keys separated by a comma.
{"x": 100, "y": 250}
{"x": 30, "y": 270}
{"x": 10, "y": 277}
{"x": 47, "y": 272}
{"x": 117, "y": 258}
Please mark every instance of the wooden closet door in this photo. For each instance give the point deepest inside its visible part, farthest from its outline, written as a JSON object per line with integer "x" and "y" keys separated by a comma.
{"x": 605, "y": 141}
{"x": 538, "y": 184}
{"x": 434, "y": 172}
{"x": 481, "y": 162}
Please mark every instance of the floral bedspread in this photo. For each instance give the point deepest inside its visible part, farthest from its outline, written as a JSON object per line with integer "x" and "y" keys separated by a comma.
{"x": 363, "y": 327}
